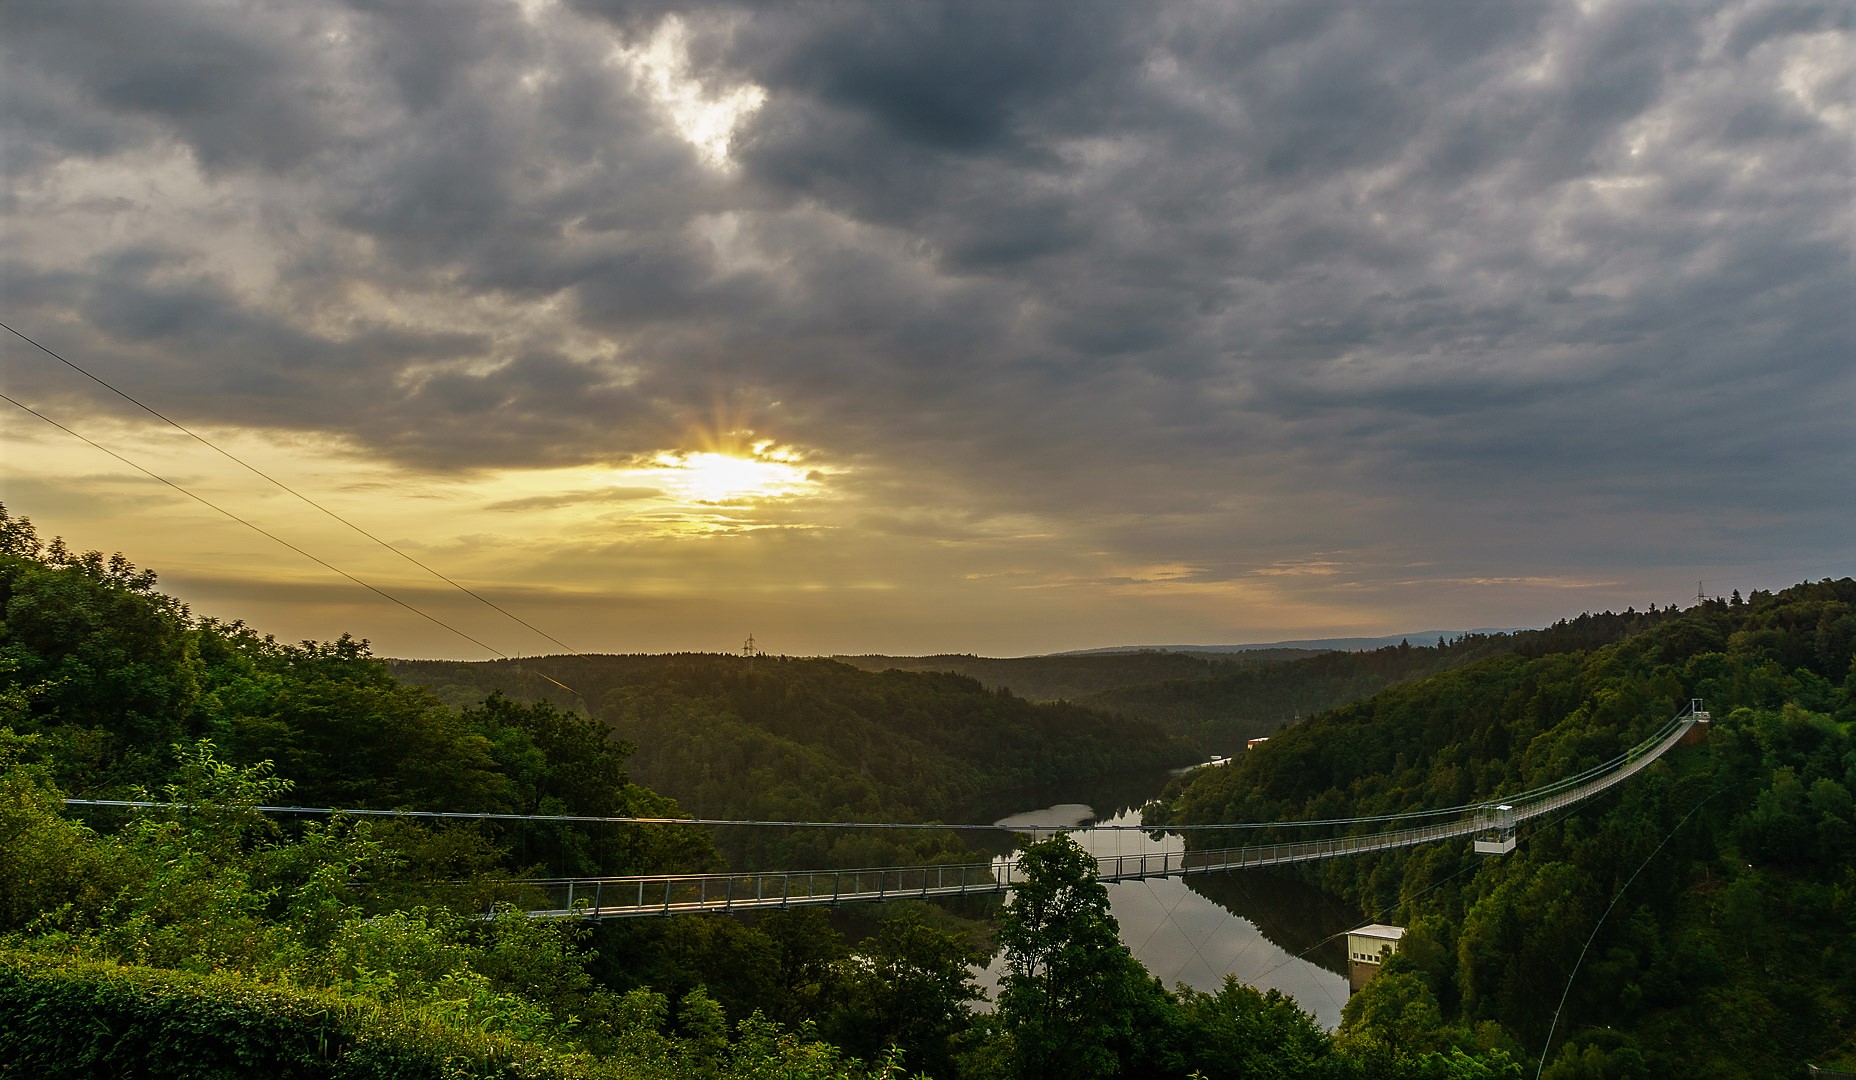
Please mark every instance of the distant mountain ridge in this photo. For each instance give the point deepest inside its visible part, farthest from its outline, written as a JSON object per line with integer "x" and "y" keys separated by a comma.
{"x": 1349, "y": 644}
{"x": 1070, "y": 677}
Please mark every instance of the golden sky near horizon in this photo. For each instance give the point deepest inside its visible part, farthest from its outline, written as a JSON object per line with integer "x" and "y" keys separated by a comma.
{"x": 1130, "y": 324}
{"x": 690, "y": 549}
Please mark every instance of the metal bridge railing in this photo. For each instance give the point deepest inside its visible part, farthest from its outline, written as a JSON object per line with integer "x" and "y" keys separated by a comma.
{"x": 670, "y": 894}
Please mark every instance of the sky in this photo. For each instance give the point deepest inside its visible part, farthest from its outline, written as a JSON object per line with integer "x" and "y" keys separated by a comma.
{"x": 933, "y": 327}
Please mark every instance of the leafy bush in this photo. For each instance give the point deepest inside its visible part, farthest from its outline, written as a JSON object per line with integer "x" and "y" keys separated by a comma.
{"x": 74, "y": 1017}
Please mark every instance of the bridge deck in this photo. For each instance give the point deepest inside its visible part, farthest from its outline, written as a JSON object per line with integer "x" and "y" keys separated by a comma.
{"x": 671, "y": 894}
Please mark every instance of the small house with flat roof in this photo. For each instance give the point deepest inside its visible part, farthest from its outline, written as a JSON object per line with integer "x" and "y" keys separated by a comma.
{"x": 1367, "y": 948}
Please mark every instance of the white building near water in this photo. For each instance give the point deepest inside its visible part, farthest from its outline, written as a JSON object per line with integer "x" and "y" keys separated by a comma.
{"x": 1367, "y": 948}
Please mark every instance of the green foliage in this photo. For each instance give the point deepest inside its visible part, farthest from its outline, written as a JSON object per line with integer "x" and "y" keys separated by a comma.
{"x": 1394, "y": 1015}
{"x": 1240, "y": 1033}
{"x": 1220, "y": 710}
{"x": 1740, "y": 926}
{"x": 92, "y": 657}
{"x": 107, "y": 677}
{"x": 64, "y": 1017}
{"x": 1073, "y": 1001}
{"x": 908, "y": 987}
{"x": 61, "y": 1017}
{"x": 338, "y": 724}
{"x": 1071, "y": 678}
{"x": 48, "y": 864}
{"x": 1590, "y": 1061}
{"x": 208, "y": 938}
{"x": 816, "y": 740}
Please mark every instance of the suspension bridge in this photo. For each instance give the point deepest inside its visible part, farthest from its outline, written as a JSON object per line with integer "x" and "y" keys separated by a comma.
{"x": 1491, "y": 822}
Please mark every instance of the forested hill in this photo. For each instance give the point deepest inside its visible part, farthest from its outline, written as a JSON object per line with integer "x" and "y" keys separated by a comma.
{"x": 1222, "y": 708}
{"x": 814, "y": 739}
{"x": 204, "y": 937}
{"x": 114, "y": 688}
{"x": 1728, "y": 956}
{"x": 1069, "y": 677}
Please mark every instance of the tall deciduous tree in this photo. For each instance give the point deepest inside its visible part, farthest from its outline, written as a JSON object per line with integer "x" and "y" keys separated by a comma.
{"x": 1074, "y": 1000}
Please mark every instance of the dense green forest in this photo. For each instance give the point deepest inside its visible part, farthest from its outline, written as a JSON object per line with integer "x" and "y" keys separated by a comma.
{"x": 208, "y": 938}
{"x": 203, "y": 937}
{"x": 775, "y": 738}
{"x": 1222, "y": 709}
{"x": 1071, "y": 677}
{"x": 1727, "y": 956}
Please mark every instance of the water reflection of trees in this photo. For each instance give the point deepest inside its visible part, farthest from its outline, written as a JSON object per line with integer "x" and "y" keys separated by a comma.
{"x": 1106, "y": 795}
{"x": 1290, "y": 914}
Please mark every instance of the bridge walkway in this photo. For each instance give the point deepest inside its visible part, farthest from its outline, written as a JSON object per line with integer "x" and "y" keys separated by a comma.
{"x": 672, "y": 894}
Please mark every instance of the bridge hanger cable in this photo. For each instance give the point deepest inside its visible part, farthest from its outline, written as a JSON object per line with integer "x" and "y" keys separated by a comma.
{"x": 588, "y": 819}
{"x": 1562, "y": 784}
{"x": 678, "y": 893}
{"x": 1469, "y": 864}
{"x": 254, "y": 470}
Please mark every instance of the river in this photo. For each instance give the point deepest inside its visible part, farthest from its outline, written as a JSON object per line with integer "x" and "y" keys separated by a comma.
{"x": 1266, "y": 930}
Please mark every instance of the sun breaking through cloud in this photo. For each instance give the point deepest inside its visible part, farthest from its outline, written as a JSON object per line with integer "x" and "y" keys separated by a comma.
{"x": 921, "y": 327}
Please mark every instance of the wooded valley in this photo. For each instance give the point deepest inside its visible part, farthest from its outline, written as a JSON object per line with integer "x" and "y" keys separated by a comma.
{"x": 206, "y": 935}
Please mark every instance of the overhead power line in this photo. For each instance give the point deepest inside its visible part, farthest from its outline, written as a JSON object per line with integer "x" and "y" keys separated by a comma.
{"x": 260, "y": 530}
{"x": 255, "y": 471}
{"x": 1615, "y": 897}
{"x": 254, "y": 527}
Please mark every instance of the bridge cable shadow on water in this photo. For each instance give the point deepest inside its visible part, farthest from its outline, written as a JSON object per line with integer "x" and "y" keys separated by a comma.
{"x": 1169, "y": 919}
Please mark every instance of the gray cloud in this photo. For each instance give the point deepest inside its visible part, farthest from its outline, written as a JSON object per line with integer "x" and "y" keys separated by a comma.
{"x": 1367, "y": 263}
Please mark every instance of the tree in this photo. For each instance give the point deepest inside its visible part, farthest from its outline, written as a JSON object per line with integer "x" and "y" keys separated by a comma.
{"x": 1073, "y": 1000}
{"x": 809, "y": 960}
{"x": 909, "y": 988}
{"x": 1241, "y": 1033}
{"x": 1394, "y": 1013}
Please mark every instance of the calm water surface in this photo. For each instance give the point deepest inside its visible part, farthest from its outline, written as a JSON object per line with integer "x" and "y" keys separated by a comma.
{"x": 1196, "y": 930}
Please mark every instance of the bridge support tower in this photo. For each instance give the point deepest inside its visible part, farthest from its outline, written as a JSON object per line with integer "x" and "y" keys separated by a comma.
{"x": 1699, "y": 730}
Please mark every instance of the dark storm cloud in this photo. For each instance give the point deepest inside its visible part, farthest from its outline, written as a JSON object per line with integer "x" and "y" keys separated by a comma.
{"x": 956, "y": 77}
{"x": 1077, "y": 259}
{"x": 239, "y": 92}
